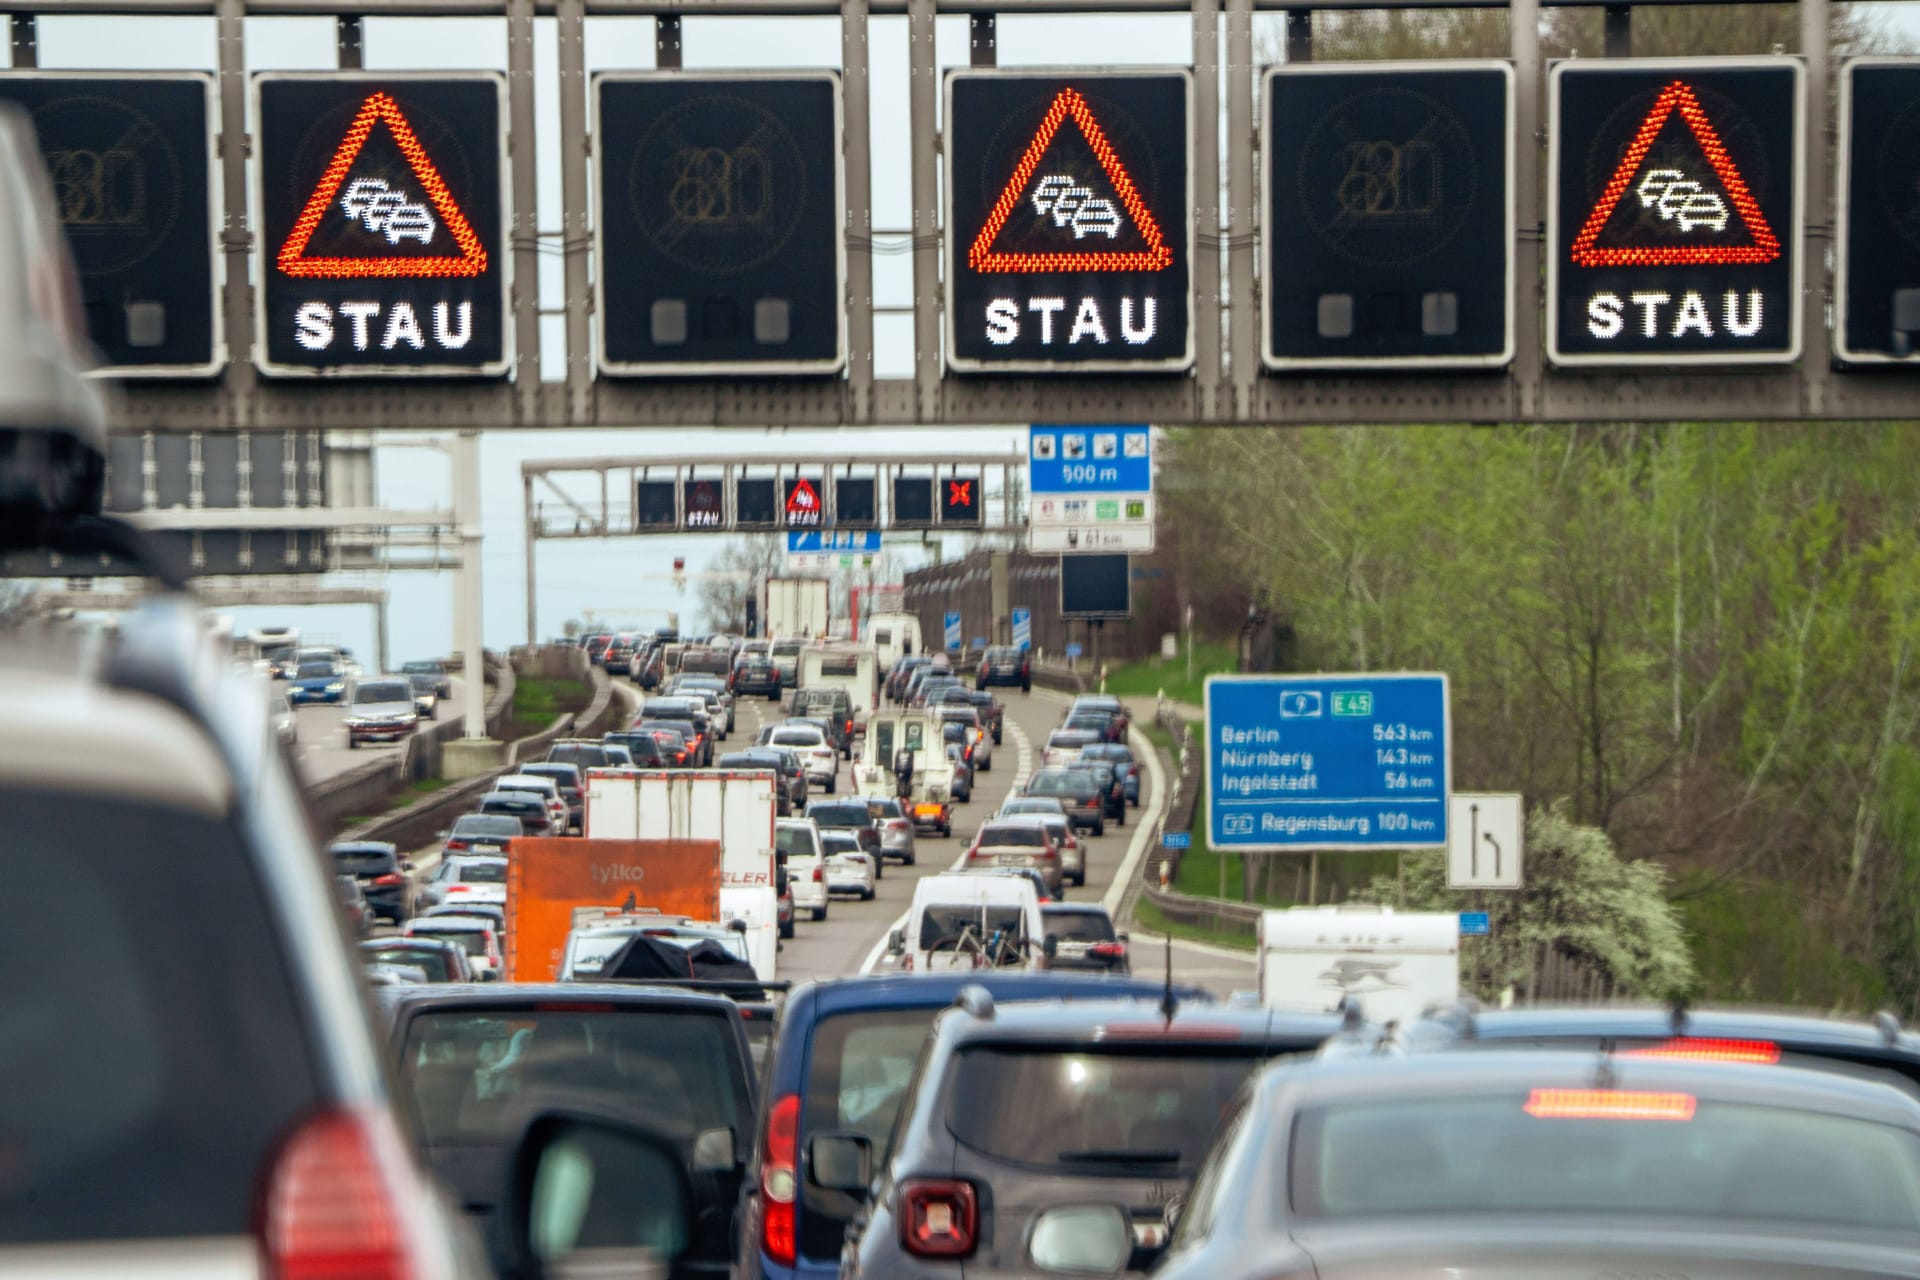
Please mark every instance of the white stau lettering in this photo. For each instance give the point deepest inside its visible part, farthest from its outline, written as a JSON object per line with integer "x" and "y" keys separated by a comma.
{"x": 1604, "y": 315}
{"x": 316, "y": 325}
{"x": 1741, "y": 315}
{"x": 1003, "y": 321}
{"x": 313, "y": 326}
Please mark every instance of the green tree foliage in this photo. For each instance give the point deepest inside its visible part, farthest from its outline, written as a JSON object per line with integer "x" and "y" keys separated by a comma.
{"x": 1704, "y": 639}
{"x": 1585, "y": 916}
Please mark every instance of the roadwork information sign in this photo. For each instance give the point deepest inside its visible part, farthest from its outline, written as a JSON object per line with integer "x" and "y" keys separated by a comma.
{"x": 1674, "y": 211}
{"x": 1306, "y": 763}
{"x": 380, "y": 205}
{"x": 1069, "y": 221}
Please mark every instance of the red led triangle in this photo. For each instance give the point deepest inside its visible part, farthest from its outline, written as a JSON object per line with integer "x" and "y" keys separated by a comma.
{"x": 1156, "y": 257}
{"x": 1765, "y": 247}
{"x": 473, "y": 255}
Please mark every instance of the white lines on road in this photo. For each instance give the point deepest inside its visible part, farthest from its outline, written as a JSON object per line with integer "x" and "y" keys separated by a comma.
{"x": 1023, "y": 756}
{"x": 1147, "y": 825}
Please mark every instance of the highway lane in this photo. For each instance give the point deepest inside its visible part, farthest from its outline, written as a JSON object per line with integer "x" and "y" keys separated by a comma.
{"x": 321, "y": 748}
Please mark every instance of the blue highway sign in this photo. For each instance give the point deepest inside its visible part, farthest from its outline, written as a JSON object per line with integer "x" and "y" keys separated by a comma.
{"x": 848, "y": 541}
{"x": 1176, "y": 839}
{"x": 952, "y": 629}
{"x": 1474, "y": 924}
{"x": 1023, "y": 628}
{"x": 1302, "y": 763}
{"x": 1100, "y": 459}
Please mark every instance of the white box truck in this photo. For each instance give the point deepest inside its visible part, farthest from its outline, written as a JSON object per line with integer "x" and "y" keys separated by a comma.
{"x": 796, "y": 607}
{"x": 1396, "y": 964}
{"x": 734, "y": 806}
{"x": 894, "y": 636}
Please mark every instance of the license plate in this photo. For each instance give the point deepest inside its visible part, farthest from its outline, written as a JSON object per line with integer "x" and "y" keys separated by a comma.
{"x": 1013, "y": 860}
{"x": 486, "y": 848}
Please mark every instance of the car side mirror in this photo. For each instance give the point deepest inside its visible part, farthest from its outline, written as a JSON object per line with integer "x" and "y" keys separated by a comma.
{"x": 897, "y": 942}
{"x": 1082, "y": 1240}
{"x": 589, "y": 1196}
{"x": 841, "y": 1161}
{"x": 1051, "y": 946}
{"x": 713, "y": 1151}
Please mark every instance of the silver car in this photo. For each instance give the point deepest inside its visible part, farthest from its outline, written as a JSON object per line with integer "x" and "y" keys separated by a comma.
{"x": 895, "y": 828}
{"x": 381, "y": 710}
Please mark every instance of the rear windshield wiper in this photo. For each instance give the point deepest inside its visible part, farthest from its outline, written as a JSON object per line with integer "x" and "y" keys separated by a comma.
{"x": 1117, "y": 1156}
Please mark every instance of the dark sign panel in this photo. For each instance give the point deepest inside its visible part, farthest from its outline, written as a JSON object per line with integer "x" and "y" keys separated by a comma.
{"x": 381, "y": 217}
{"x": 853, "y": 502}
{"x": 717, "y": 227}
{"x": 960, "y": 500}
{"x": 130, "y": 156}
{"x": 1877, "y": 246}
{"x": 705, "y": 503}
{"x": 1095, "y": 587}
{"x": 653, "y": 508}
{"x": 1069, "y": 221}
{"x": 1388, "y": 220}
{"x": 753, "y": 505}
{"x": 912, "y": 501}
{"x": 1674, "y": 208}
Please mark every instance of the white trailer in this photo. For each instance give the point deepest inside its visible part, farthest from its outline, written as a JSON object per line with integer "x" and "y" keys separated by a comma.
{"x": 797, "y": 607}
{"x": 1397, "y": 965}
{"x": 841, "y": 666}
{"x": 734, "y": 806}
{"x": 894, "y": 636}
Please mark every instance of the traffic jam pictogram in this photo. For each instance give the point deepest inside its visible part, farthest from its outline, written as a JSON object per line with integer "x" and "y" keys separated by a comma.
{"x": 383, "y": 265}
{"x": 1068, "y": 188}
{"x": 1679, "y": 253}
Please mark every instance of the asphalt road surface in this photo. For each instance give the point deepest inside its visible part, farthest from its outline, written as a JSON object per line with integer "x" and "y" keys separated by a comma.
{"x": 322, "y": 747}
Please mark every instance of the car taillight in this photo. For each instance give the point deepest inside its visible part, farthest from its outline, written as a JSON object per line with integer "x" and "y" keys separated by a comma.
{"x": 332, "y": 1204}
{"x": 1708, "y": 1049}
{"x": 1107, "y": 949}
{"x": 898, "y": 824}
{"x": 1048, "y": 851}
{"x": 459, "y": 888}
{"x": 939, "y": 1217}
{"x": 780, "y": 1180}
{"x": 392, "y": 877}
{"x": 1608, "y": 1104}
{"x": 818, "y": 875}
{"x": 454, "y": 846}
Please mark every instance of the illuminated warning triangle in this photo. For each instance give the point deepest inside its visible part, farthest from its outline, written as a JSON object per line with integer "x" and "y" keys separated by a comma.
{"x": 1069, "y": 105}
{"x": 382, "y": 109}
{"x": 1762, "y": 245}
{"x": 803, "y": 500}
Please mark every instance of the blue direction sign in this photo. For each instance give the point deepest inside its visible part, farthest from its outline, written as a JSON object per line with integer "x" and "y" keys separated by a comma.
{"x": 846, "y": 541}
{"x": 1475, "y": 924}
{"x": 1102, "y": 459}
{"x": 952, "y": 638}
{"x": 1299, "y": 763}
{"x": 1176, "y": 839}
{"x": 1023, "y": 628}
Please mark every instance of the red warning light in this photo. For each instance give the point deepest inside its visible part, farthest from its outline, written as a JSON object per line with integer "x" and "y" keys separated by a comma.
{"x": 801, "y": 499}
{"x": 381, "y": 108}
{"x": 1765, "y": 246}
{"x": 1069, "y": 104}
{"x": 959, "y": 493}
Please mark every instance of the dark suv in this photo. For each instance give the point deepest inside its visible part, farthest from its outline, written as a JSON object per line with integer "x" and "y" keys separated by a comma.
{"x": 1004, "y": 664}
{"x": 1021, "y": 1111}
{"x": 833, "y": 709}
{"x": 381, "y": 871}
{"x": 755, "y": 674}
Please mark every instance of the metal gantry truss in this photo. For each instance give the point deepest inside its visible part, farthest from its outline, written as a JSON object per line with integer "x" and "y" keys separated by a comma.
{"x": 1227, "y": 384}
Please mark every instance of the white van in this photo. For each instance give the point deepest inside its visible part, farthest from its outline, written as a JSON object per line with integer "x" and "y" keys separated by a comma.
{"x": 1396, "y": 964}
{"x": 956, "y": 918}
{"x": 894, "y": 636}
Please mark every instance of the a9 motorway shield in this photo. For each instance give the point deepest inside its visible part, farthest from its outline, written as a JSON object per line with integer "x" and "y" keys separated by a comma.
{"x": 1389, "y": 215}
{"x": 718, "y": 223}
{"x": 1328, "y": 761}
{"x": 130, "y": 158}
{"x": 381, "y": 212}
{"x": 1069, "y": 220}
{"x": 1877, "y": 242}
{"x": 1674, "y": 210}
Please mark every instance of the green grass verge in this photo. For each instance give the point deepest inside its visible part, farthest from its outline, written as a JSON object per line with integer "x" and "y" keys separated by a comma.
{"x": 1755, "y": 941}
{"x": 1169, "y": 675}
{"x": 1148, "y": 918}
{"x": 537, "y": 701}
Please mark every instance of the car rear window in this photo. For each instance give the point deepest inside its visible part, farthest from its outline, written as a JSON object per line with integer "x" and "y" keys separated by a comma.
{"x": 486, "y": 824}
{"x": 584, "y": 756}
{"x": 796, "y": 738}
{"x": 1086, "y": 1111}
{"x": 514, "y": 802}
{"x": 364, "y": 862}
{"x": 840, "y": 815}
{"x": 1061, "y": 784}
{"x": 146, "y": 1079}
{"x": 794, "y": 841}
{"x": 939, "y": 922}
{"x": 1079, "y": 926}
{"x": 857, "y": 1077}
{"x": 839, "y": 842}
{"x": 1537, "y": 1151}
{"x": 1009, "y": 834}
{"x": 471, "y": 941}
{"x": 467, "y": 1072}
{"x": 433, "y": 962}
{"x": 383, "y": 691}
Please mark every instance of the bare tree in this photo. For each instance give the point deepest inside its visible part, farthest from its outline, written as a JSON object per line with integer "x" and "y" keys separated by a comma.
{"x": 733, "y": 578}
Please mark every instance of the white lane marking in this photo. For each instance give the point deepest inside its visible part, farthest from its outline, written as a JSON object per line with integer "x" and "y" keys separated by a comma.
{"x": 1148, "y": 822}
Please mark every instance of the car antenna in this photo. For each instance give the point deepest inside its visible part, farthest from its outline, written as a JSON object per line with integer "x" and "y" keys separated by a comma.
{"x": 1169, "y": 1005}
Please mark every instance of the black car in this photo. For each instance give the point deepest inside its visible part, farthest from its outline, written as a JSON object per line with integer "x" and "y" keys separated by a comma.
{"x": 1113, "y": 786}
{"x": 529, "y": 807}
{"x": 1078, "y": 792}
{"x": 471, "y": 1061}
{"x": 1552, "y": 1164}
{"x": 832, "y": 710}
{"x": 1005, "y": 665}
{"x": 1024, "y": 1115}
{"x": 442, "y": 682}
{"x": 670, "y": 737}
{"x": 588, "y": 754}
{"x": 992, "y": 714}
{"x": 643, "y": 748}
{"x": 903, "y": 672}
{"x": 1081, "y": 936}
{"x": 850, "y": 815}
{"x": 792, "y": 791}
{"x": 382, "y": 871}
{"x": 756, "y": 674}
{"x": 690, "y": 716}
{"x": 1121, "y": 757}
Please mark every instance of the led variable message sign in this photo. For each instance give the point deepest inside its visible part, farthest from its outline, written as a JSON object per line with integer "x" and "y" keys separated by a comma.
{"x": 381, "y": 217}
{"x": 1388, "y": 221}
{"x": 130, "y": 158}
{"x": 1876, "y": 303}
{"x": 704, "y": 503}
{"x": 803, "y": 504}
{"x": 1674, "y": 209}
{"x": 753, "y": 504}
{"x": 960, "y": 499}
{"x": 912, "y": 501}
{"x": 1069, "y": 220}
{"x": 853, "y": 502}
{"x": 653, "y": 505}
{"x": 717, "y": 224}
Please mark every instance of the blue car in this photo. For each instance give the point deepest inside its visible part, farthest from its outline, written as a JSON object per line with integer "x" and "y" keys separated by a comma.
{"x": 317, "y": 682}
{"x": 840, "y": 1063}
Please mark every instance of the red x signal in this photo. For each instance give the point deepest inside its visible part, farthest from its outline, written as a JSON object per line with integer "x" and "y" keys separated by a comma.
{"x": 959, "y": 493}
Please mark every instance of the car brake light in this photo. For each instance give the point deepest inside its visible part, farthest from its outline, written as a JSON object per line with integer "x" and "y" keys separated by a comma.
{"x": 938, "y": 1217}
{"x": 1107, "y": 949}
{"x": 1708, "y": 1049}
{"x": 1608, "y": 1104}
{"x": 331, "y": 1210}
{"x": 818, "y": 875}
{"x": 459, "y": 888}
{"x": 392, "y": 877}
{"x": 454, "y": 846}
{"x": 779, "y": 1180}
